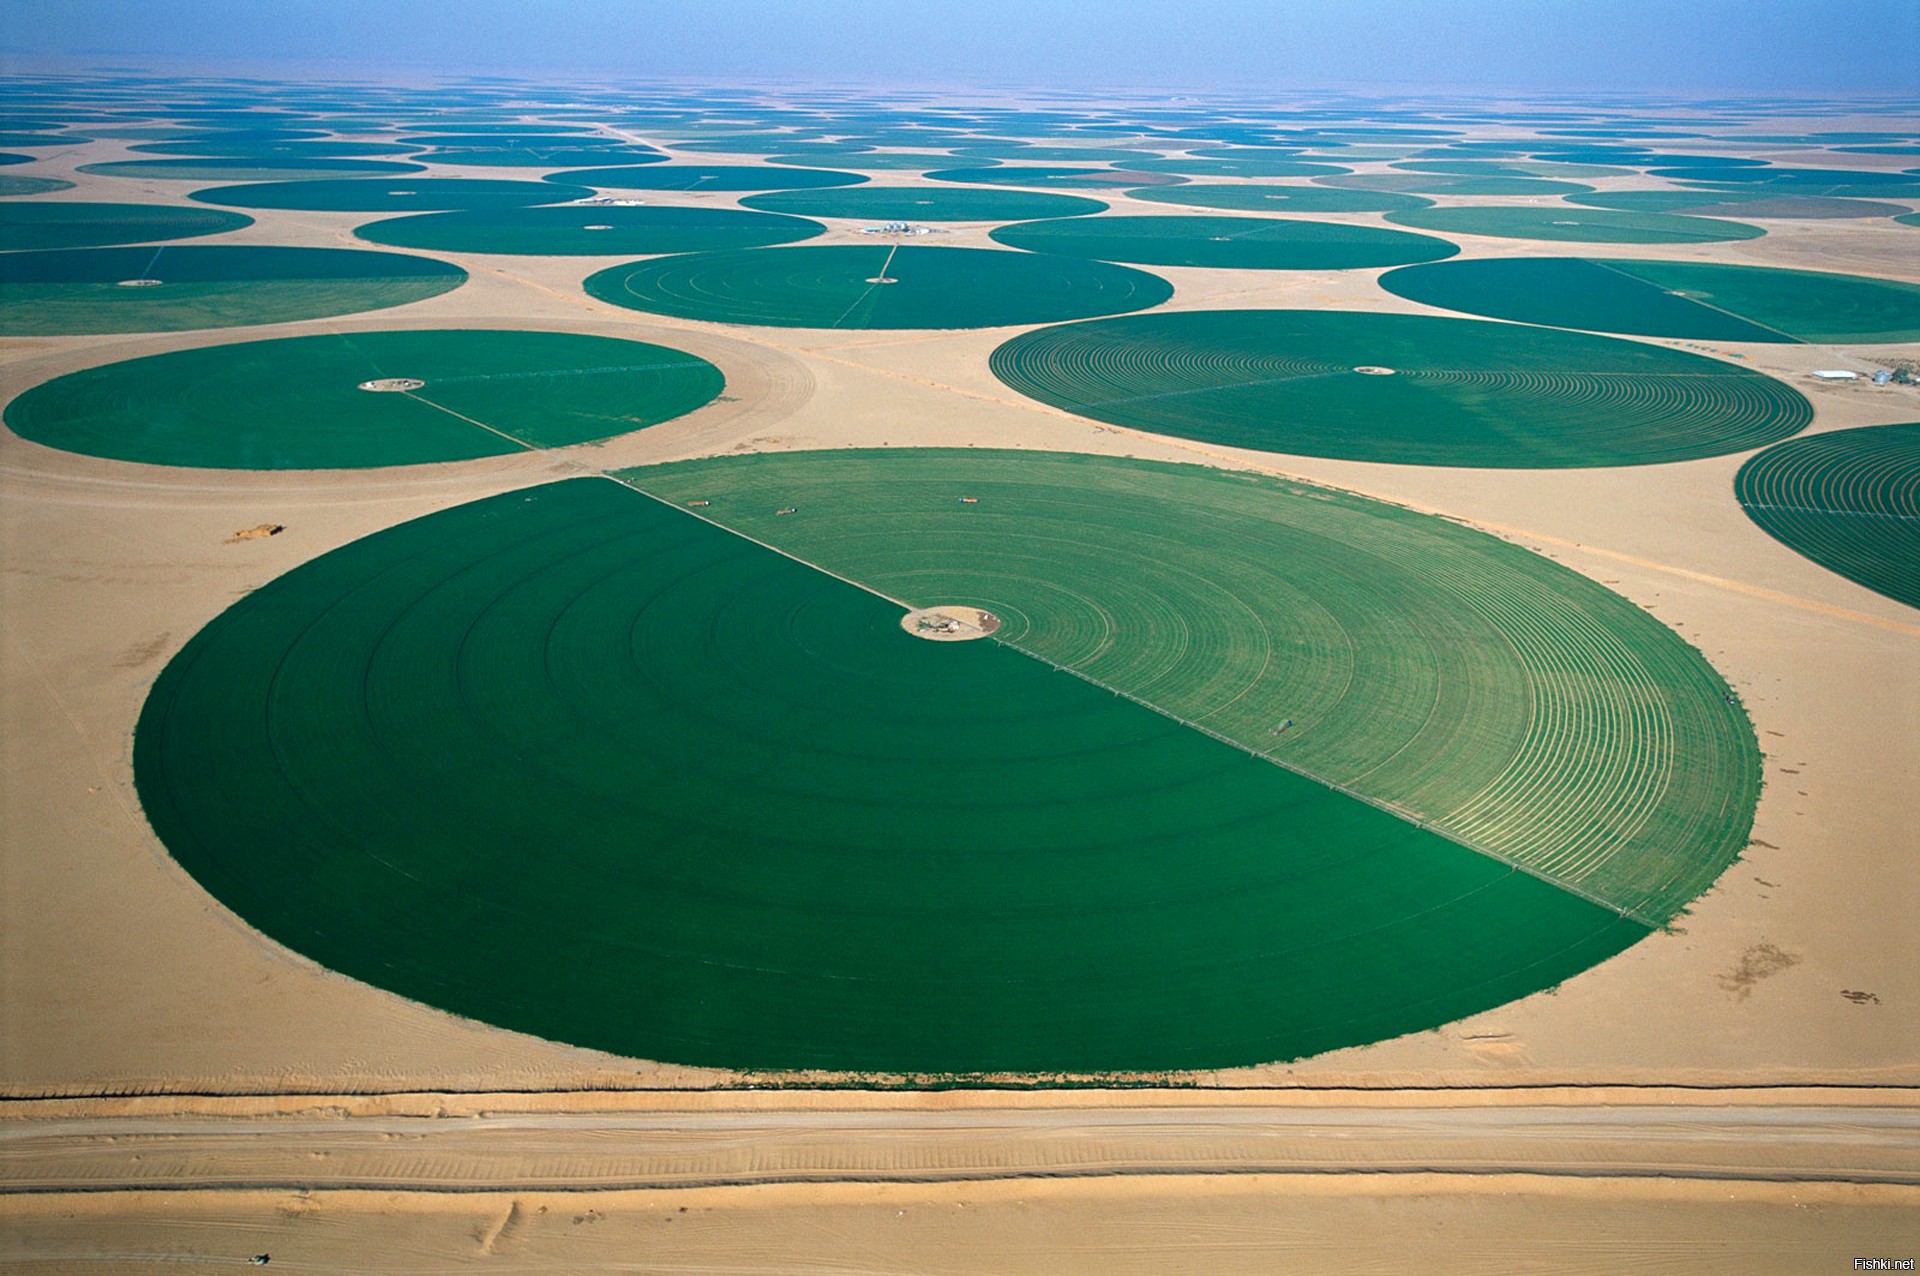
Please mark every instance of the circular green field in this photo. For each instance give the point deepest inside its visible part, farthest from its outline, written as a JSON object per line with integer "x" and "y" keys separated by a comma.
{"x": 296, "y": 403}
{"x": 1052, "y": 154}
{"x": 1575, "y": 225}
{"x": 78, "y": 225}
{"x": 1849, "y": 500}
{"x": 1189, "y": 166}
{"x": 15, "y": 185}
{"x": 593, "y": 230}
{"x": 537, "y": 157}
{"x": 277, "y": 150}
{"x": 1837, "y": 182}
{"x": 864, "y": 161}
{"x": 1435, "y": 184}
{"x": 251, "y": 169}
{"x": 1281, "y": 199}
{"x": 925, "y": 204}
{"x": 1704, "y": 301}
{"x": 1050, "y": 176}
{"x": 1256, "y": 243}
{"x": 1460, "y": 391}
{"x": 8, "y": 158}
{"x": 413, "y": 194}
{"x": 1694, "y": 203}
{"x": 1909, "y": 219}
{"x": 33, "y": 140}
{"x": 881, "y": 286}
{"x": 708, "y": 177}
{"x": 169, "y": 288}
{"x": 773, "y": 830}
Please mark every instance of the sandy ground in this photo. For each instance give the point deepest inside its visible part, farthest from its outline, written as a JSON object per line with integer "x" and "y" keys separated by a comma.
{"x": 118, "y": 976}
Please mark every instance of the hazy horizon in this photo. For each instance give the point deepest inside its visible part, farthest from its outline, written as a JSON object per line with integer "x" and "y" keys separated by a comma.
{"x": 1789, "y": 48}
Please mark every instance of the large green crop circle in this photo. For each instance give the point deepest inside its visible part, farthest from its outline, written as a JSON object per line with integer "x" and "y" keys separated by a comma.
{"x": 1401, "y": 388}
{"x": 844, "y": 287}
{"x": 403, "y": 195}
{"x": 300, "y": 402}
{"x": 1053, "y": 176}
{"x": 1575, "y": 225}
{"x": 708, "y": 177}
{"x": 1255, "y": 243}
{"x": 575, "y": 762}
{"x": 925, "y": 204}
{"x": 589, "y": 230}
{"x": 1703, "y": 301}
{"x": 1251, "y": 198}
{"x": 1439, "y": 184}
{"x": 11, "y": 184}
{"x": 168, "y": 287}
{"x": 251, "y": 168}
{"x": 86, "y": 225}
{"x": 1849, "y": 500}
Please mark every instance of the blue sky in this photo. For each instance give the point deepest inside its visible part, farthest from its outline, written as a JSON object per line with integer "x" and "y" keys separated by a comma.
{"x": 1680, "y": 46}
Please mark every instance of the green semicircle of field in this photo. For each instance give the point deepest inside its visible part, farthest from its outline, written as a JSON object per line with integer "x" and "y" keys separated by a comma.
{"x": 708, "y": 177}
{"x": 1703, "y": 301}
{"x": 1280, "y": 199}
{"x": 1053, "y": 176}
{"x": 71, "y": 224}
{"x": 250, "y": 169}
{"x": 1253, "y": 243}
{"x": 1574, "y": 225}
{"x": 1453, "y": 676}
{"x": 925, "y": 204}
{"x": 843, "y": 286}
{"x": 779, "y": 832}
{"x": 171, "y": 287}
{"x": 1463, "y": 392}
{"x": 14, "y": 185}
{"x": 591, "y": 230}
{"x": 1849, "y": 500}
{"x": 296, "y": 403}
{"x": 10, "y": 158}
{"x": 406, "y": 195}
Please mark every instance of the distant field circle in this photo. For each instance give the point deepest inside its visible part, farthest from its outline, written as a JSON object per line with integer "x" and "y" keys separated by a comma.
{"x": 368, "y": 195}
{"x": 837, "y": 287}
{"x": 1575, "y": 225}
{"x": 1054, "y": 176}
{"x": 706, "y": 177}
{"x": 1703, "y": 301}
{"x": 925, "y": 204}
{"x": 1226, "y": 242}
{"x": 1277, "y": 198}
{"x": 597, "y": 230}
{"x": 1464, "y": 392}
{"x": 255, "y": 168}
{"x": 91, "y": 290}
{"x": 72, "y": 224}
{"x": 364, "y": 399}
